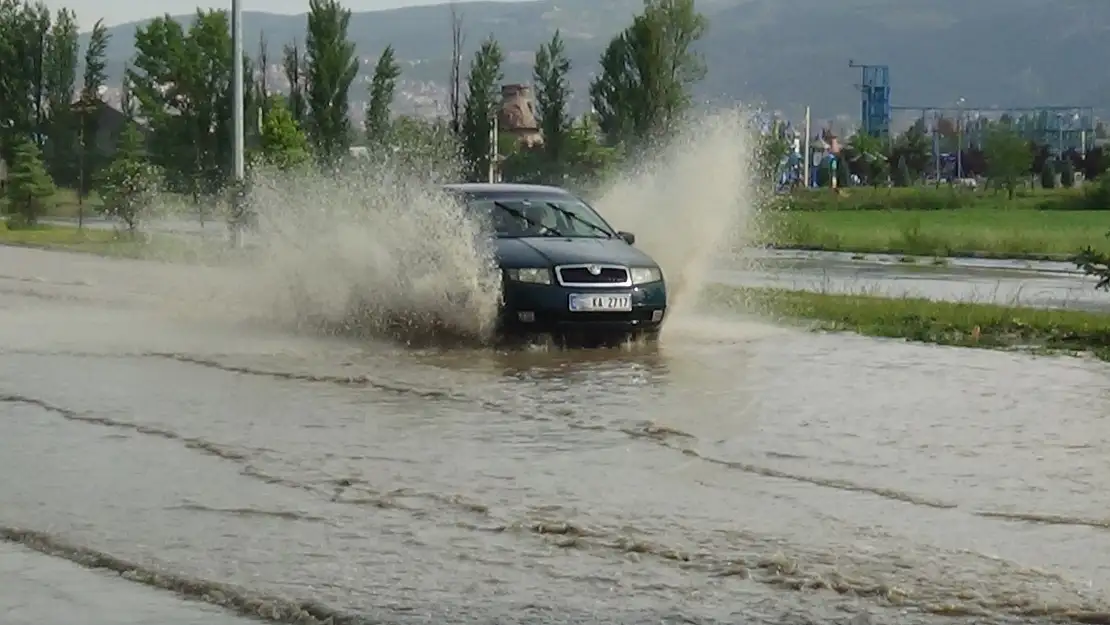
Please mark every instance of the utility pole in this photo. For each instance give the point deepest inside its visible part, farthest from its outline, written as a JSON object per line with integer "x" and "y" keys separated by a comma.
{"x": 237, "y": 146}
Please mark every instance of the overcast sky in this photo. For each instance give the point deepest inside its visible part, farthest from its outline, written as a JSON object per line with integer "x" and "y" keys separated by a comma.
{"x": 122, "y": 11}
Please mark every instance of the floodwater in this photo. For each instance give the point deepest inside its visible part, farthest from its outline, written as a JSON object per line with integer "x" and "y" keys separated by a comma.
{"x": 1007, "y": 282}
{"x": 737, "y": 473}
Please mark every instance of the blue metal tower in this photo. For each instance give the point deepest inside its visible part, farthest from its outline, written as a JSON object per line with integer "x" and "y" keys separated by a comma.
{"x": 875, "y": 114}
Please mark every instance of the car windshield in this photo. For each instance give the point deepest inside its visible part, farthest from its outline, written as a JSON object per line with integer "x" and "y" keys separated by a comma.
{"x": 538, "y": 216}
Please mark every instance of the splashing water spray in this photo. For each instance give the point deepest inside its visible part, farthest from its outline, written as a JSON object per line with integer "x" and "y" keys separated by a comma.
{"x": 379, "y": 249}
{"x": 690, "y": 204}
{"x": 373, "y": 249}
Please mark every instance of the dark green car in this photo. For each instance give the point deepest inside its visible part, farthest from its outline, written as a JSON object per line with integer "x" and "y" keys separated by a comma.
{"x": 566, "y": 272}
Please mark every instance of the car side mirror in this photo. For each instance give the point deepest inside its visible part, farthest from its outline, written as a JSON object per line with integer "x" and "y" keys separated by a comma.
{"x": 628, "y": 237}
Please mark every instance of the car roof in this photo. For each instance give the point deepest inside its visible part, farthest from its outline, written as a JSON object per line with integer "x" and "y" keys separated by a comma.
{"x": 492, "y": 188}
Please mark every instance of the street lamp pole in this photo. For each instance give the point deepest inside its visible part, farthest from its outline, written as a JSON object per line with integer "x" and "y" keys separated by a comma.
{"x": 237, "y": 88}
{"x": 237, "y": 115}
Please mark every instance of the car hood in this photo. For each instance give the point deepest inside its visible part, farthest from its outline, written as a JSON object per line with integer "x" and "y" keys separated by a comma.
{"x": 544, "y": 251}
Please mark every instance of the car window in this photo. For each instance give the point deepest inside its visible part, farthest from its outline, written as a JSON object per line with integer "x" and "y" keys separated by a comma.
{"x": 540, "y": 216}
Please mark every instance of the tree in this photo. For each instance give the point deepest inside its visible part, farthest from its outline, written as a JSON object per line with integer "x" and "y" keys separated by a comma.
{"x": 37, "y": 21}
{"x": 126, "y": 100}
{"x": 901, "y": 174}
{"x": 293, "y": 64}
{"x": 867, "y": 151}
{"x": 425, "y": 147}
{"x": 181, "y": 81}
{"x": 483, "y": 88}
{"x": 843, "y": 173}
{"x": 553, "y": 94}
{"x": 454, "y": 81}
{"x": 259, "y": 88}
{"x": 647, "y": 72}
{"x": 29, "y": 184}
{"x": 282, "y": 143}
{"x": 1067, "y": 174}
{"x": 590, "y": 162}
{"x": 60, "y": 78}
{"x": 88, "y": 106}
{"x": 1094, "y": 163}
{"x": 773, "y": 149}
{"x": 1008, "y": 158}
{"x": 331, "y": 67}
{"x": 382, "y": 88}
{"x": 1048, "y": 175}
{"x": 914, "y": 147}
{"x": 129, "y": 185}
{"x": 15, "y": 80}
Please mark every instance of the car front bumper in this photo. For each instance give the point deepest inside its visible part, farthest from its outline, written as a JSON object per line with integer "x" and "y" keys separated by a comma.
{"x": 540, "y": 308}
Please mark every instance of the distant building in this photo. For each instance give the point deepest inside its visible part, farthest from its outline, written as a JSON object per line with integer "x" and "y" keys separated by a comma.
{"x": 518, "y": 116}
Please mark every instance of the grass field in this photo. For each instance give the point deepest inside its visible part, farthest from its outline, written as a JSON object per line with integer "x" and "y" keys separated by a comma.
{"x": 982, "y": 232}
{"x": 943, "y": 323}
{"x": 111, "y": 243}
{"x": 1093, "y": 196}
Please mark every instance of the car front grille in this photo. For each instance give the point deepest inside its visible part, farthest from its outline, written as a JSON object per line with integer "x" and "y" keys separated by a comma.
{"x": 593, "y": 275}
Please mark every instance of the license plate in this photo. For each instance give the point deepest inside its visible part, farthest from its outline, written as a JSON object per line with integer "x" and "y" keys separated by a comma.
{"x": 595, "y": 302}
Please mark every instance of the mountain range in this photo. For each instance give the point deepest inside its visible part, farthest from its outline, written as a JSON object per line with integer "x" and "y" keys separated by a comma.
{"x": 784, "y": 54}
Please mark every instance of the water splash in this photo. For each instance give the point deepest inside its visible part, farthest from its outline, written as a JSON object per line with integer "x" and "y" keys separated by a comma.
{"x": 372, "y": 250}
{"x": 380, "y": 249}
{"x": 691, "y": 202}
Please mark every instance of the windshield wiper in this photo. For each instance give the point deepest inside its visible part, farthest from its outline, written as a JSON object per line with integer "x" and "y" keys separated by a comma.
{"x": 531, "y": 222}
{"x": 573, "y": 215}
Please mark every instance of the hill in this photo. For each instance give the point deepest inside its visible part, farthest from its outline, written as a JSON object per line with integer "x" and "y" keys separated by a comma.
{"x": 992, "y": 53}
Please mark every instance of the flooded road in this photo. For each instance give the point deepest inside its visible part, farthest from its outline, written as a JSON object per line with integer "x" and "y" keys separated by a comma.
{"x": 738, "y": 473}
{"x": 1017, "y": 283}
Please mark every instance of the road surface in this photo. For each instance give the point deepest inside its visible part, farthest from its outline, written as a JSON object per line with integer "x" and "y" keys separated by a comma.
{"x": 737, "y": 473}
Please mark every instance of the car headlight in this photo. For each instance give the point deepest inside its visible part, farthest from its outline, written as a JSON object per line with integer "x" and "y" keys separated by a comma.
{"x": 530, "y": 275}
{"x": 645, "y": 275}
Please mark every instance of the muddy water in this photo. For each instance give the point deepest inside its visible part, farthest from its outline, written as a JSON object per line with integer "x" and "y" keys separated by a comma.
{"x": 738, "y": 473}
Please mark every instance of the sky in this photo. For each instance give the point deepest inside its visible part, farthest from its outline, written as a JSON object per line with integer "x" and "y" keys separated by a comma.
{"x": 122, "y": 11}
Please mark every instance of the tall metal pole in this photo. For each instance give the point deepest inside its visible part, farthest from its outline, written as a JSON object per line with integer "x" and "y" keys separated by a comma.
{"x": 237, "y": 145}
{"x": 494, "y": 149}
{"x": 806, "y": 156}
{"x": 237, "y": 87}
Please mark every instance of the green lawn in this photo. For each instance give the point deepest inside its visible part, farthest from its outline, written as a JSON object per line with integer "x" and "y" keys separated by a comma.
{"x": 112, "y": 243}
{"x": 945, "y": 323}
{"x": 1020, "y": 233}
{"x": 929, "y": 198}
